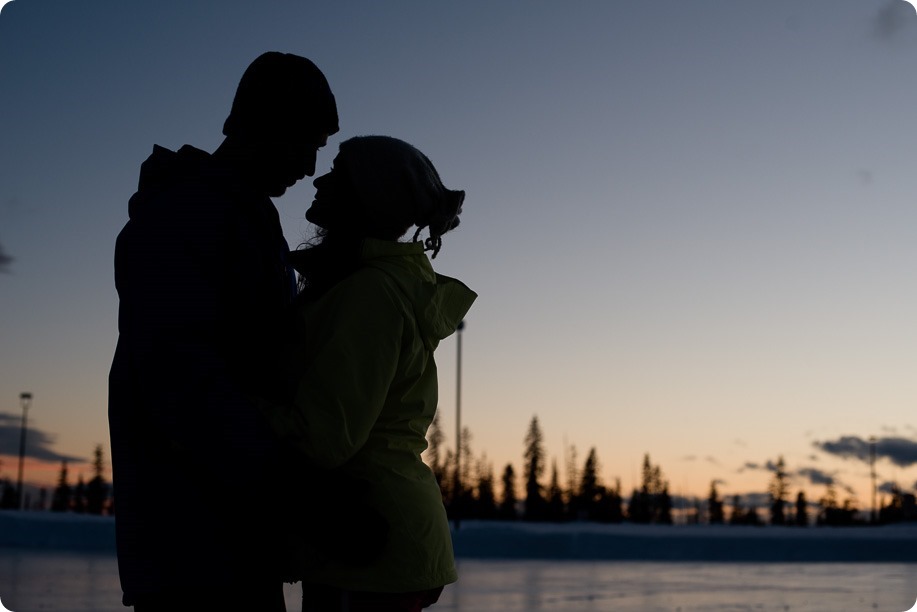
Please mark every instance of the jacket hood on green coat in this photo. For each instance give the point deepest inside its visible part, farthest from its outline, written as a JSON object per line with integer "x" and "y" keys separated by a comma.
{"x": 440, "y": 302}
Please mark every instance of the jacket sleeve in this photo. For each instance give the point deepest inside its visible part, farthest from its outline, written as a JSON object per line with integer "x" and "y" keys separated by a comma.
{"x": 354, "y": 349}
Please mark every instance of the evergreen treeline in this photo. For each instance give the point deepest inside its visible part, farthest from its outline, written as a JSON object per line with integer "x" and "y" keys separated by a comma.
{"x": 583, "y": 496}
{"x": 476, "y": 493}
{"x": 92, "y": 497}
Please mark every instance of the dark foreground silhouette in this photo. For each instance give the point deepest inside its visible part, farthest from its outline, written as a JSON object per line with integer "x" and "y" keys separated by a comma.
{"x": 203, "y": 280}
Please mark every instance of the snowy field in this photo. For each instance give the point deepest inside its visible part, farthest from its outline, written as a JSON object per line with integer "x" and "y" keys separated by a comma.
{"x": 66, "y": 563}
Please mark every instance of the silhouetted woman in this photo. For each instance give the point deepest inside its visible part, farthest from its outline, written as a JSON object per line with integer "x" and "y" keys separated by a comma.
{"x": 370, "y": 315}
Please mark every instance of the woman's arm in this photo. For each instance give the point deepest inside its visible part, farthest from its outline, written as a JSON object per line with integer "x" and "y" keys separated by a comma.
{"x": 354, "y": 347}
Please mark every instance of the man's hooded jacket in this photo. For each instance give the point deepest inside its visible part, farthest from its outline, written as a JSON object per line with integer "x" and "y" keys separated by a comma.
{"x": 203, "y": 282}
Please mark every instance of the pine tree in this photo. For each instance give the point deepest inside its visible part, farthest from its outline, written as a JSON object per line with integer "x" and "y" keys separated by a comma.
{"x": 572, "y": 471}
{"x": 507, "y": 509}
{"x": 751, "y": 516}
{"x": 802, "y": 512}
{"x": 446, "y": 484}
{"x": 62, "y": 493}
{"x": 97, "y": 489}
{"x": 638, "y": 507}
{"x": 8, "y": 498}
{"x": 664, "y": 506}
{"x": 737, "y": 517}
{"x": 609, "y": 506}
{"x": 463, "y": 489}
{"x": 714, "y": 506}
{"x": 435, "y": 438}
{"x": 777, "y": 492}
{"x": 828, "y": 503}
{"x": 652, "y": 503}
{"x": 555, "y": 508}
{"x": 79, "y": 496}
{"x": 590, "y": 489}
{"x": 486, "y": 502}
{"x": 534, "y": 469}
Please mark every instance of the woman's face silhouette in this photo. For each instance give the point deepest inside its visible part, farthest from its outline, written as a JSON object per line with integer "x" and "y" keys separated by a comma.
{"x": 333, "y": 193}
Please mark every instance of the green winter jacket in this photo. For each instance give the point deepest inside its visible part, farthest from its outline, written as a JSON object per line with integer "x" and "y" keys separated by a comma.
{"x": 366, "y": 392}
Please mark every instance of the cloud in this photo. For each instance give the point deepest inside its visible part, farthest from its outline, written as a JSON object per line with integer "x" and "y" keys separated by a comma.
{"x": 750, "y": 465}
{"x": 887, "y": 487}
{"x": 37, "y": 443}
{"x": 5, "y": 260}
{"x": 894, "y": 16}
{"x": 848, "y": 447}
{"x": 709, "y": 459}
{"x": 902, "y": 452}
{"x": 816, "y": 476}
{"x": 768, "y": 466}
{"x": 813, "y": 475}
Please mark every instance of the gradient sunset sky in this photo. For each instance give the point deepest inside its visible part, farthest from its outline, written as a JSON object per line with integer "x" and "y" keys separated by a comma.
{"x": 692, "y": 225}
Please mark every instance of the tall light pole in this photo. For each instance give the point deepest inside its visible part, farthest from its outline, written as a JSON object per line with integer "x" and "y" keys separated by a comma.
{"x": 25, "y": 400}
{"x": 457, "y": 492}
{"x": 872, "y": 474}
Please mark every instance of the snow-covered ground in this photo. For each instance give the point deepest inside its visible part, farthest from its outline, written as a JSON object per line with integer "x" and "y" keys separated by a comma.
{"x": 58, "y": 562}
{"x": 54, "y": 581}
{"x": 626, "y": 542}
{"x": 568, "y": 541}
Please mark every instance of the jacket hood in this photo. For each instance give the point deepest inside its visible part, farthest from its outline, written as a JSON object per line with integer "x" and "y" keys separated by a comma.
{"x": 164, "y": 169}
{"x": 440, "y": 302}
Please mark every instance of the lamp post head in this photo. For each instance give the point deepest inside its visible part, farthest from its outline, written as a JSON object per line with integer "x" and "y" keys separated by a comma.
{"x": 460, "y": 326}
{"x": 25, "y": 399}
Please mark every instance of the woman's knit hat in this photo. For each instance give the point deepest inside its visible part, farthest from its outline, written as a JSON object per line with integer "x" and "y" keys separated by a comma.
{"x": 397, "y": 186}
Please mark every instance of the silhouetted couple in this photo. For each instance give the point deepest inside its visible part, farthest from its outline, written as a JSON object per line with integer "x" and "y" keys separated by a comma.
{"x": 263, "y": 432}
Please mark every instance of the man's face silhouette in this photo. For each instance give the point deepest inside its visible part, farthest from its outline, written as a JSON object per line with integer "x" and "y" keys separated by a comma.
{"x": 281, "y": 163}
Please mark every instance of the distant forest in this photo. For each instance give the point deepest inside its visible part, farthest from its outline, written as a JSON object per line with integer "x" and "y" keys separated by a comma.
{"x": 469, "y": 489}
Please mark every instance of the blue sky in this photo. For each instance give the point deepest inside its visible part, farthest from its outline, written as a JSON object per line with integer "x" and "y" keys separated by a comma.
{"x": 691, "y": 224}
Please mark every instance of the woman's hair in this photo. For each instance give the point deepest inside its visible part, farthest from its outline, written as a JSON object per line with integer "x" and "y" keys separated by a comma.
{"x": 385, "y": 187}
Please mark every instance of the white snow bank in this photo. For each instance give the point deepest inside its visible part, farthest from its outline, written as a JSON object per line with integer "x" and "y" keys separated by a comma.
{"x": 573, "y": 541}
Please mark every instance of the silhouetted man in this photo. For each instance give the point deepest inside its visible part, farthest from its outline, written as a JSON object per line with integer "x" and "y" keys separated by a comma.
{"x": 203, "y": 280}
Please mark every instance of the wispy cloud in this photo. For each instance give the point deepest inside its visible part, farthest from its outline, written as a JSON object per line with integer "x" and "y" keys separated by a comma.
{"x": 38, "y": 444}
{"x": 816, "y": 476}
{"x": 887, "y": 487}
{"x": 848, "y": 447}
{"x": 767, "y": 466}
{"x": 812, "y": 475}
{"x": 900, "y": 451}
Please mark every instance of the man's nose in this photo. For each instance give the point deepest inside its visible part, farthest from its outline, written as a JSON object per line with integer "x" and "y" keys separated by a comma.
{"x": 309, "y": 165}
